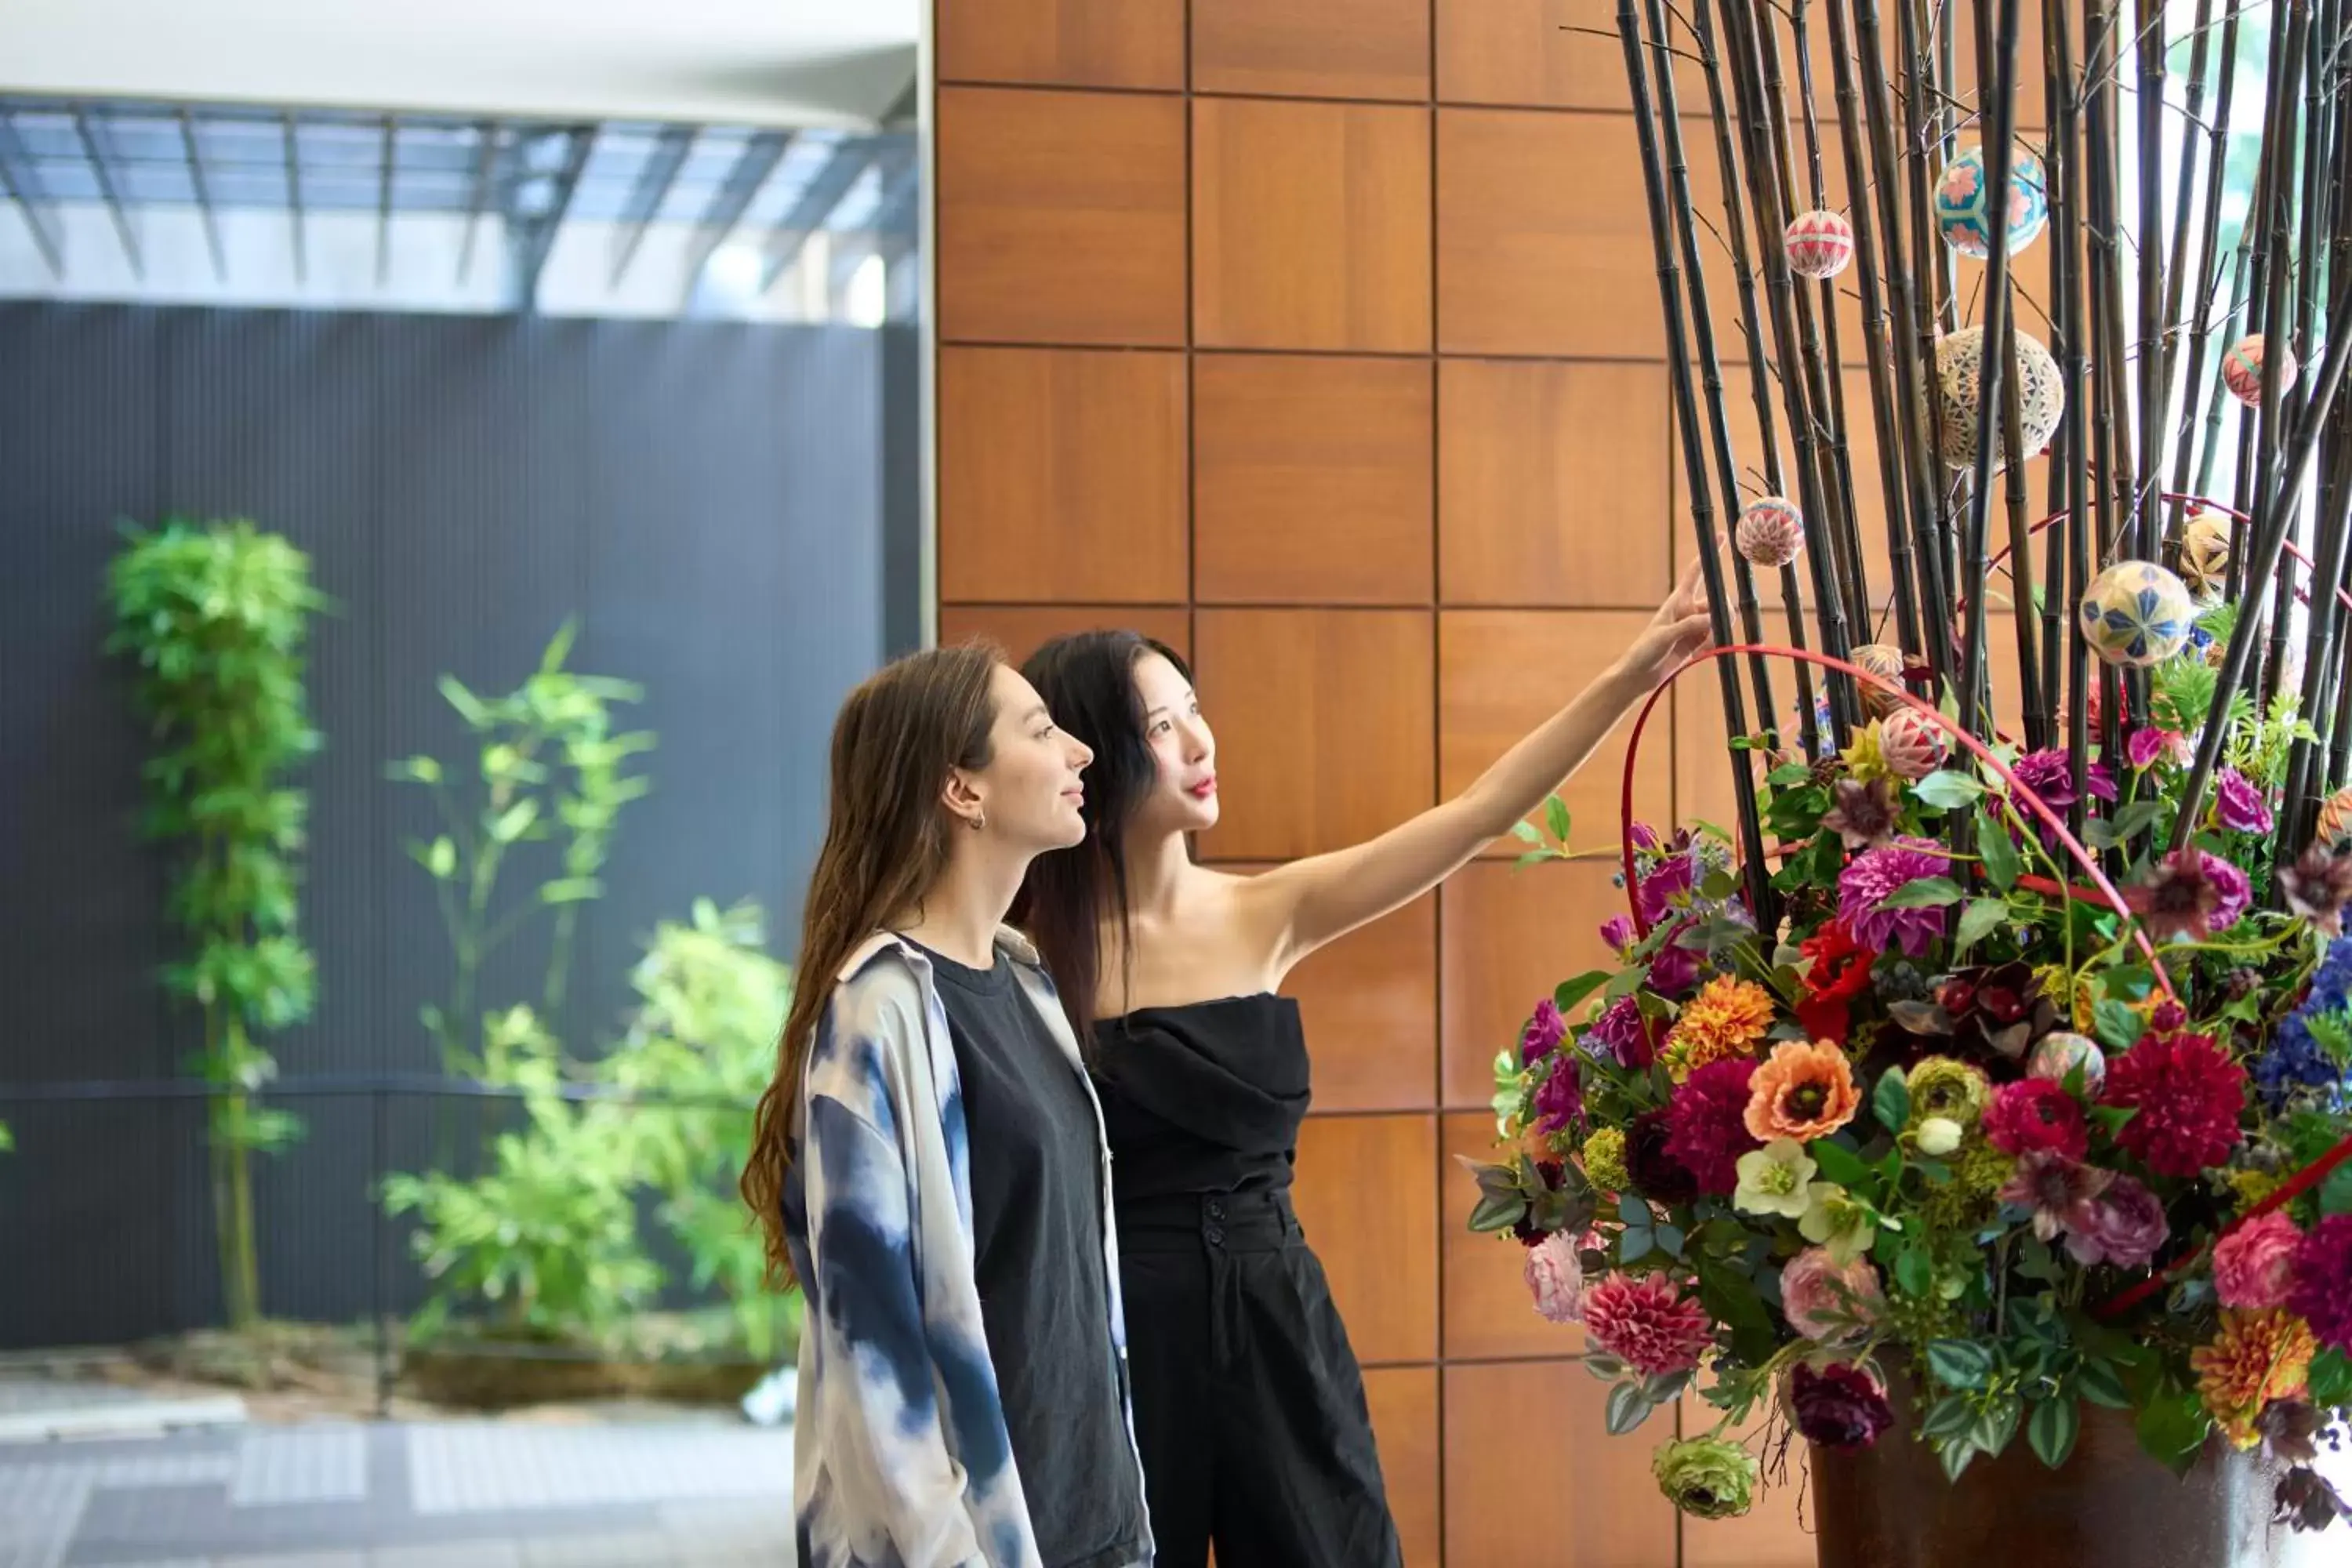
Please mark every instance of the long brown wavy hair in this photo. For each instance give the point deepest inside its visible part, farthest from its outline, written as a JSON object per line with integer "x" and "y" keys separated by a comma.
{"x": 885, "y": 843}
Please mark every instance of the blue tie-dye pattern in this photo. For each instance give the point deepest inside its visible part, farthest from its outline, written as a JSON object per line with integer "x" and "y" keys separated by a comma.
{"x": 903, "y": 1460}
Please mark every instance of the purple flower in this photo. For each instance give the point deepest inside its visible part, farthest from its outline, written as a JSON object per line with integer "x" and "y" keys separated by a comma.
{"x": 2192, "y": 894}
{"x": 1662, "y": 889}
{"x": 1875, "y": 877}
{"x": 2238, "y": 805}
{"x": 1543, "y": 1034}
{"x": 1644, "y": 837}
{"x": 1560, "y": 1099}
{"x": 2123, "y": 1225}
{"x": 2320, "y": 1291}
{"x": 1622, "y": 1035}
{"x": 1617, "y": 931}
{"x": 1675, "y": 972}
{"x": 2047, "y": 774}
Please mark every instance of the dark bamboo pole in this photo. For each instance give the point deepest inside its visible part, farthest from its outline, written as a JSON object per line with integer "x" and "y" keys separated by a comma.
{"x": 2273, "y": 414}
{"x": 2154, "y": 324}
{"x": 1726, "y": 464}
{"x": 1893, "y": 455}
{"x": 1924, "y": 126}
{"x": 2216, "y": 177}
{"x": 1670, "y": 300}
{"x": 2067, "y": 235}
{"x": 2184, "y": 195}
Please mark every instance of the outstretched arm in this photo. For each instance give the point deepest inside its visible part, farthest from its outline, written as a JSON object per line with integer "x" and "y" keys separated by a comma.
{"x": 1326, "y": 896}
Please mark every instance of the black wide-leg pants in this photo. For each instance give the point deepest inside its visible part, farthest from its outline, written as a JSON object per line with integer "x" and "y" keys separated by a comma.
{"x": 1249, "y": 1407}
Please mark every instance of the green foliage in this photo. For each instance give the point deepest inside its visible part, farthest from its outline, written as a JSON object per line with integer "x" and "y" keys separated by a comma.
{"x": 216, "y": 618}
{"x": 2258, "y": 747}
{"x": 2183, "y": 694}
{"x": 549, "y": 769}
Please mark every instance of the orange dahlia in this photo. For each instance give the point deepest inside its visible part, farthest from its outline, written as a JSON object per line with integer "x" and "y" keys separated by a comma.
{"x": 1805, "y": 1090}
{"x": 1725, "y": 1020}
{"x": 2256, "y": 1358}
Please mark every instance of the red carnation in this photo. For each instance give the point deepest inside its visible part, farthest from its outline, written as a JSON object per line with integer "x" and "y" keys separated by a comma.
{"x": 1708, "y": 1125}
{"x": 2189, "y": 1095}
{"x": 2035, "y": 1114}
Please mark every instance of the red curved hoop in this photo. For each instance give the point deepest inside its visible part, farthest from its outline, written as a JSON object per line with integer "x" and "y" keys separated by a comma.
{"x": 2019, "y": 793}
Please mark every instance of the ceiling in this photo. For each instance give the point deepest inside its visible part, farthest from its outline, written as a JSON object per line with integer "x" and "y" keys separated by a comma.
{"x": 841, "y": 63}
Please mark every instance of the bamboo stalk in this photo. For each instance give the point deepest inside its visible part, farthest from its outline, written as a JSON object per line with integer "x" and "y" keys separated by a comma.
{"x": 1884, "y": 399}
{"x": 1670, "y": 300}
{"x": 2154, "y": 324}
{"x": 2184, "y": 198}
{"x": 2271, "y": 415}
{"x": 2216, "y": 175}
{"x": 1931, "y": 280}
{"x": 2073, "y": 333}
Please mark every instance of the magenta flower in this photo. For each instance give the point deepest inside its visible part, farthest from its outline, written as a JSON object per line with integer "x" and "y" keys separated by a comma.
{"x": 1621, "y": 1034}
{"x": 2238, "y": 804}
{"x": 2123, "y": 1225}
{"x": 2193, "y": 894}
{"x": 2034, "y": 1115}
{"x": 2253, "y": 1266}
{"x": 1666, "y": 888}
{"x": 2322, "y": 1293}
{"x": 2150, "y": 746}
{"x": 1559, "y": 1100}
{"x": 1708, "y": 1125}
{"x": 2189, "y": 1095}
{"x": 2057, "y": 1190}
{"x": 1873, "y": 877}
{"x": 1543, "y": 1034}
{"x": 1617, "y": 931}
{"x": 1674, "y": 970}
{"x": 2048, "y": 776}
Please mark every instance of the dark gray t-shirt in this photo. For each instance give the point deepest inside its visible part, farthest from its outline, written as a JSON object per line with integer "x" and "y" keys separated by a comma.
{"x": 1037, "y": 1241}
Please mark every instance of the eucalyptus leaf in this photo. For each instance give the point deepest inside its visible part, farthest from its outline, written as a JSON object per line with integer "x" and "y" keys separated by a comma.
{"x": 1498, "y": 1211}
{"x": 1627, "y": 1409}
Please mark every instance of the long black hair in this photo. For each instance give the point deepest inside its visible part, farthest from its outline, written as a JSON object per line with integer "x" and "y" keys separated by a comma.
{"x": 1088, "y": 680}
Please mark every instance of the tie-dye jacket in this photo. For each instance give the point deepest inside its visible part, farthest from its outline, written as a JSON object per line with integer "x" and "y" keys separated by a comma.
{"x": 901, "y": 1455}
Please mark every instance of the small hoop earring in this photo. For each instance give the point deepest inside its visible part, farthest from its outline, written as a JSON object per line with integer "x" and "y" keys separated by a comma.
{"x": 979, "y": 821}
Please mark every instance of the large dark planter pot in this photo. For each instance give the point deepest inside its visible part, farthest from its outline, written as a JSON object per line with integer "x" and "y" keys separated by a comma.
{"x": 1890, "y": 1507}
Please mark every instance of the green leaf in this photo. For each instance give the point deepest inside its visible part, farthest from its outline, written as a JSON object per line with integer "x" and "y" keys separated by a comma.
{"x": 1605, "y": 1367}
{"x": 1568, "y": 994}
{"x": 2119, "y": 1027}
{"x": 1788, "y": 774}
{"x": 1949, "y": 1418}
{"x": 1914, "y": 1272}
{"x": 2002, "y": 862}
{"x": 1978, "y": 921}
{"x": 1531, "y": 858}
{"x": 516, "y": 820}
{"x": 1840, "y": 1164}
{"x": 1923, "y": 893}
{"x": 2172, "y": 1429}
{"x": 1730, "y": 1298}
{"x": 1555, "y": 818}
{"x": 571, "y": 891}
{"x": 2101, "y": 1385}
{"x": 1525, "y": 833}
{"x": 469, "y": 705}
{"x": 442, "y": 858}
{"x": 1891, "y": 1100}
{"x": 1997, "y": 1427}
{"x": 1636, "y": 1245}
{"x": 1633, "y": 1212}
{"x": 1669, "y": 1239}
{"x": 2331, "y": 1380}
{"x": 1627, "y": 1408}
{"x": 1955, "y": 1457}
{"x": 2051, "y": 1430}
{"x": 1948, "y": 791}
{"x": 1960, "y": 1363}
{"x": 1498, "y": 1211}
{"x": 2336, "y": 1192}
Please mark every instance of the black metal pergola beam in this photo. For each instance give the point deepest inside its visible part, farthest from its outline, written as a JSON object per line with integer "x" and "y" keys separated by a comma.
{"x": 536, "y": 234}
{"x": 98, "y": 148}
{"x": 201, "y": 186}
{"x": 294, "y": 191}
{"x": 849, "y": 160}
{"x": 21, "y": 184}
{"x": 759, "y": 157}
{"x": 387, "y": 154}
{"x": 486, "y": 159}
{"x": 652, "y": 189}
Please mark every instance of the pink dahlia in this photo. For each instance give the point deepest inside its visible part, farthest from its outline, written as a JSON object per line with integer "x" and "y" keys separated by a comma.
{"x": 2253, "y": 1266}
{"x": 1823, "y": 1301}
{"x": 1646, "y": 1321}
{"x": 2036, "y": 1115}
{"x": 1556, "y": 1279}
{"x": 2189, "y": 1094}
{"x": 1875, "y": 877}
{"x": 1708, "y": 1124}
{"x": 2322, "y": 1293}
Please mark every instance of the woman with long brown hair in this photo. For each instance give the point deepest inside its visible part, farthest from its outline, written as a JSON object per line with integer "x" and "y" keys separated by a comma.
{"x": 930, "y": 1161}
{"x": 1248, "y": 1401}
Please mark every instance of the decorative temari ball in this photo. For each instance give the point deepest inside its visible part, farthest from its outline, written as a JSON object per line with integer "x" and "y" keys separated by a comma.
{"x": 1820, "y": 243}
{"x": 2138, "y": 613}
{"x": 1959, "y": 379}
{"x": 2241, "y": 370}
{"x": 2335, "y": 820}
{"x": 1771, "y": 532}
{"x": 2205, "y": 555}
{"x": 1964, "y": 198}
{"x": 1885, "y": 661}
{"x": 1912, "y": 744}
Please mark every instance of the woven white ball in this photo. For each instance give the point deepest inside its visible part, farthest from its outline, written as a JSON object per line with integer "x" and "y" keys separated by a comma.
{"x": 1959, "y": 376}
{"x": 2205, "y": 541}
{"x": 2137, "y": 614}
{"x": 1820, "y": 244}
{"x": 1771, "y": 532}
{"x": 1912, "y": 744}
{"x": 2242, "y": 369}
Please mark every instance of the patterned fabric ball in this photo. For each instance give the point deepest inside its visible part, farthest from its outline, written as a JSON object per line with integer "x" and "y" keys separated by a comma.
{"x": 1820, "y": 243}
{"x": 1771, "y": 532}
{"x": 2205, "y": 555}
{"x": 1912, "y": 744}
{"x": 2241, "y": 370}
{"x": 2138, "y": 613}
{"x": 1964, "y": 199}
{"x": 2335, "y": 819}
{"x": 1959, "y": 379}
{"x": 1885, "y": 661}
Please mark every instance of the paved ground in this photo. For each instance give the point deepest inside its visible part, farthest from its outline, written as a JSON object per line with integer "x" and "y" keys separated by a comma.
{"x": 437, "y": 1495}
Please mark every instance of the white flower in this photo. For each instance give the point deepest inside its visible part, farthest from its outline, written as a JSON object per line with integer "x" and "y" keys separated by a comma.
{"x": 1938, "y": 1136}
{"x": 1776, "y": 1179}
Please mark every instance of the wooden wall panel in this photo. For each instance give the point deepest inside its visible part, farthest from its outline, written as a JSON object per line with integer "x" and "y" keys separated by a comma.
{"x": 1066, "y": 472}
{"x": 1489, "y": 1315}
{"x": 1061, "y": 217}
{"x": 1531, "y": 1474}
{"x": 1403, "y": 1401}
{"x": 1367, "y": 1002}
{"x": 1315, "y": 479}
{"x": 1511, "y": 937}
{"x": 1310, "y": 225}
{"x": 1552, "y": 484}
{"x": 1022, "y": 629}
{"x": 1067, "y": 43}
{"x": 1312, "y": 48}
{"x": 1368, "y": 1201}
{"x": 1324, "y": 721}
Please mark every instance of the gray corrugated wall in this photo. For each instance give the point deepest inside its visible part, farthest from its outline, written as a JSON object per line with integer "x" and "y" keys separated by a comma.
{"x": 707, "y": 498}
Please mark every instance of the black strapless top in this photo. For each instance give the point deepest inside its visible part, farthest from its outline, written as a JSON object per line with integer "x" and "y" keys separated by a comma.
{"x": 1203, "y": 1098}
